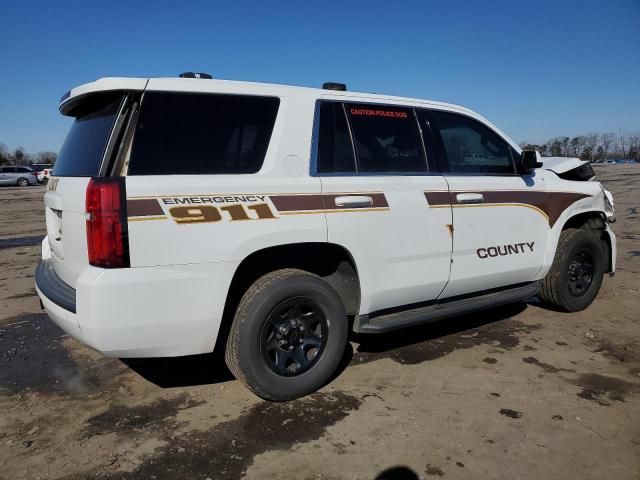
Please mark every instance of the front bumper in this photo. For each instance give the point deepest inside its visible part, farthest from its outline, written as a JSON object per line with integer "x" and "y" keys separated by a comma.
{"x": 139, "y": 312}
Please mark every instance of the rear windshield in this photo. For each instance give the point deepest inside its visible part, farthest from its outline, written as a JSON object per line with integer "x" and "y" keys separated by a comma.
{"x": 195, "y": 133}
{"x": 82, "y": 151}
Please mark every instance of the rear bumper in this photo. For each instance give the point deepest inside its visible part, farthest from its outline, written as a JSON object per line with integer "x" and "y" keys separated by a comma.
{"x": 140, "y": 312}
{"x": 53, "y": 288}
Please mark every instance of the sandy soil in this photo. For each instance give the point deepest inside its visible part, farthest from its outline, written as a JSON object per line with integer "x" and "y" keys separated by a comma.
{"x": 515, "y": 392}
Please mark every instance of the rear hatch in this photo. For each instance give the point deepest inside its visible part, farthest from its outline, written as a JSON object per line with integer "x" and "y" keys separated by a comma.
{"x": 98, "y": 117}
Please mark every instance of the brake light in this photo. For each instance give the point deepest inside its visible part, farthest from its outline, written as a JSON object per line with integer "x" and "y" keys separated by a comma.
{"x": 107, "y": 235}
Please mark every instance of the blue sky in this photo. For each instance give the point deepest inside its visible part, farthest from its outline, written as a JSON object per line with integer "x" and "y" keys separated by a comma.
{"x": 536, "y": 69}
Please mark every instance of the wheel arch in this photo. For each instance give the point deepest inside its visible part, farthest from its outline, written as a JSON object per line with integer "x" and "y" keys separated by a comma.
{"x": 591, "y": 220}
{"x": 330, "y": 261}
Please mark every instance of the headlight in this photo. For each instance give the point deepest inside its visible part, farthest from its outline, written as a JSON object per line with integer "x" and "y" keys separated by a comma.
{"x": 608, "y": 205}
{"x": 608, "y": 199}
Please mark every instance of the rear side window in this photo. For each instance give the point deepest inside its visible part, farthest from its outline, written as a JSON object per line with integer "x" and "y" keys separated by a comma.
{"x": 193, "y": 133}
{"x": 472, "y": 147}
{"x": 386, "y": 139}
{"x": 83, "y": 149}
{"x": 335, "y": 150}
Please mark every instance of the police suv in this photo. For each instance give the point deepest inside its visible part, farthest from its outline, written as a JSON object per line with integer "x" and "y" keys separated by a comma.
{"x": 271, "y": 220}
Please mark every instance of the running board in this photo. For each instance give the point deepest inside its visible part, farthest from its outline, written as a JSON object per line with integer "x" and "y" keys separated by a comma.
{"x": 447, "y": 308}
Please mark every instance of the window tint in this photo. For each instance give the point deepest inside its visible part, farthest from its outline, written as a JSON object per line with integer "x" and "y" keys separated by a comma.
{"x": 471, "y": 147}
{"x": 190, "y": 133}
{"x": 335, "y": 151}
{"x": 82, "y": 151}
{"x": 23, "y": 169}
{"x": 386, "y": 139}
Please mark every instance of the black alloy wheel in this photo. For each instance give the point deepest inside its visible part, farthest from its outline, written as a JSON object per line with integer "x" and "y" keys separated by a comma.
{"x": 581, "y": 273}
{"x": 288, "y": 335}
{"x": 294, "y": 336}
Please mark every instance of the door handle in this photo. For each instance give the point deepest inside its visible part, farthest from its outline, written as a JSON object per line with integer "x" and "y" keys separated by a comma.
{"x": 354, "y": 201}
{"x": 469, "y": 198}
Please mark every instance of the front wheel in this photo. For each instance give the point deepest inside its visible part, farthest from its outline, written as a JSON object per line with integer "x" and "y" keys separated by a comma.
{"x": 22, "y": 182}
{"x": 577, "y": 270}
{"x": 288, "y": 335}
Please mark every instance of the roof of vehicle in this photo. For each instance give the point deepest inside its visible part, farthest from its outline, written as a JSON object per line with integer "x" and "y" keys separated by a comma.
{"x": 223, "y": 86}
{"x": 251, "y": 88}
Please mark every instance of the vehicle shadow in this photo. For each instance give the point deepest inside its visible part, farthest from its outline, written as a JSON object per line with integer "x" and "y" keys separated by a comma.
{"x": 187, "y": 371}
{"x": 211, "y": 368}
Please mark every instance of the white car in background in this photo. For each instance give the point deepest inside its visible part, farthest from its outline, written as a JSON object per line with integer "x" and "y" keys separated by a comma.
{"x": 44, "y": 175}
{"x": 43, "y": 171}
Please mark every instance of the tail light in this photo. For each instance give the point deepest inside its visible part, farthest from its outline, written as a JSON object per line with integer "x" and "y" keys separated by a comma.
{"x": 107, "y": 235}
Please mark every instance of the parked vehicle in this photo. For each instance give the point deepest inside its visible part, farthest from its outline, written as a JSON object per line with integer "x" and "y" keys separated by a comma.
{"x": 20, "y": 176}
{"x": 186, "y": 212}
{"x": 43, "y": 171}
{"x": 40, "y": 169}
{"x": 44, "y": 175}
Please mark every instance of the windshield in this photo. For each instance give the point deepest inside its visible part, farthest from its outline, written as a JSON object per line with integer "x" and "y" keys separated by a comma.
{"x": 82, "y": 151}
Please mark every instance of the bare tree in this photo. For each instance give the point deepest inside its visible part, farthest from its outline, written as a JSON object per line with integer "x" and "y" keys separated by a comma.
{"x": 634, "y": 145}
{"x": 590, "y": 143}
{"x": 607, "y": 140}
{"x": 576, "y": 145}
{"x": 566, "y": 150}
{"x": 624, "y": 143}
{"x": 4, "y": 154}
{"x": 45, "y": 157}
{"x": 554, "y": 147}
{"x": 19, "y": 156}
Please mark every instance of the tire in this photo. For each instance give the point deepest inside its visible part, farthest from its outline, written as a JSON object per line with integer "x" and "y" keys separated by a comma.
{"x": 571, "y": 285}
{"x": 278, "y": 304}
{"x": 22, "y": 182}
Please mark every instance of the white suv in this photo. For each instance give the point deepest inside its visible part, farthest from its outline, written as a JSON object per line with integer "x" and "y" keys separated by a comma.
{"x": 273, "y": 219}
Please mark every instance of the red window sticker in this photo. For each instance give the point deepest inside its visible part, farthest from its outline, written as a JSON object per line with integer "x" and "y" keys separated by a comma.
{"x": 378, "y": 113}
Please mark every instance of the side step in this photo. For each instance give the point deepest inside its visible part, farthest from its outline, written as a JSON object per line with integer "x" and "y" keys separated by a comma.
{"x": 446, "y": 308}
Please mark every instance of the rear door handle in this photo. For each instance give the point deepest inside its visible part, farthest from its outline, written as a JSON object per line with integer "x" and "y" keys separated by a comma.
{"x": 470, "y": 198}
{"x": 354, "y": 201}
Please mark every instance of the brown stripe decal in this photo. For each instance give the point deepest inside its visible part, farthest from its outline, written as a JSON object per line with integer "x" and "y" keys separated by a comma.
{"x": 147, "y": 207}
{"x": 552, "y": 204}
{"x": 438, "y": 198}
{"x": 292, "y": 203}
{"x": 296, "y": 203}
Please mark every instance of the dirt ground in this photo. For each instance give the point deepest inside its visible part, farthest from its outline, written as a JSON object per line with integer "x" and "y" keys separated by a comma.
{"x": 515, "y": 392}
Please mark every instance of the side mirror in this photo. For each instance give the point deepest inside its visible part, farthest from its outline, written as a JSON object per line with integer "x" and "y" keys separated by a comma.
{"x": 529, "y": 160}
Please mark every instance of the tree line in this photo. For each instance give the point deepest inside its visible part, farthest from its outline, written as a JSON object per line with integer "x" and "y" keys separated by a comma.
{"x": 20, "y": 157}
{"x": 595, "y": 147}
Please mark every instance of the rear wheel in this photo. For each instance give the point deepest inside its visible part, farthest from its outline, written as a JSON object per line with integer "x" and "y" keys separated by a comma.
{"x": 22, "y": 182}
{"x": 576, "y": 274}
{"x": 288, "y": 335}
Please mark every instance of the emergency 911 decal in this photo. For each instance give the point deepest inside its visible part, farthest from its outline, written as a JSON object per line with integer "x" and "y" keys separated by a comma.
{"x": 193, "y": 209}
